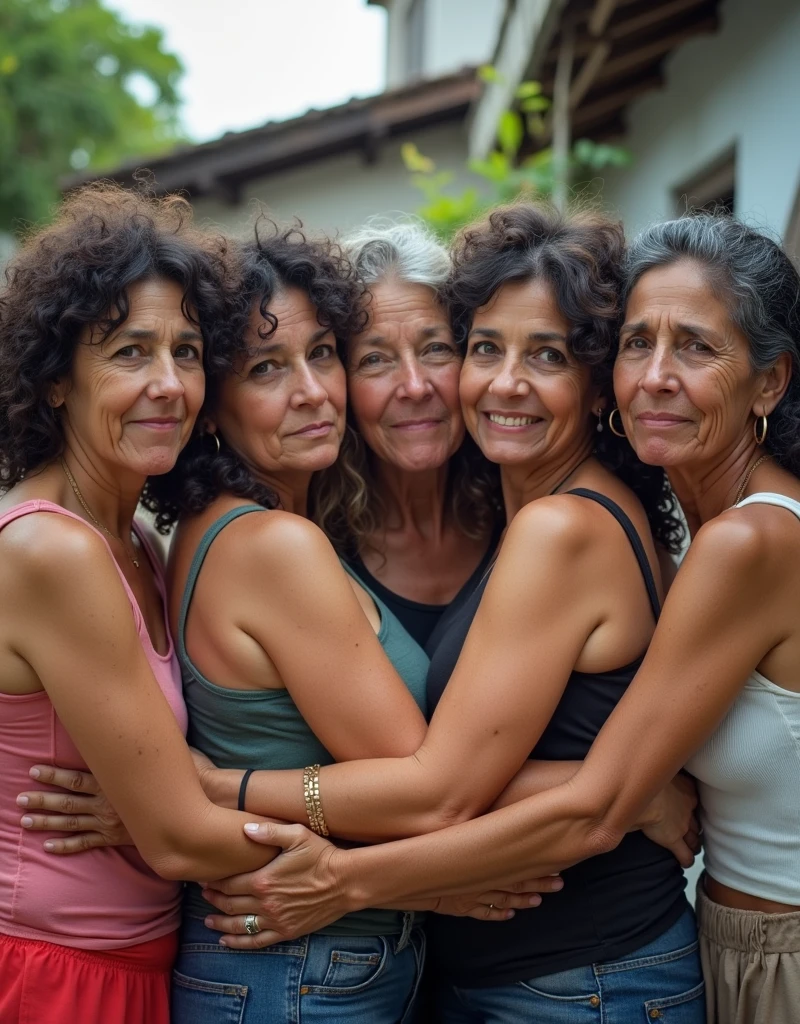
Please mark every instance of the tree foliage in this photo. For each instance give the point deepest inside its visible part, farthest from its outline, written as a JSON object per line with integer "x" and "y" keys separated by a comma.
{"x": 505, "y": 175}
{"x": 79, "y": 88}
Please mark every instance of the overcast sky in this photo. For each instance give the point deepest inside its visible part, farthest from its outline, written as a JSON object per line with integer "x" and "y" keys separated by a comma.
{"x": 251, "y": 61}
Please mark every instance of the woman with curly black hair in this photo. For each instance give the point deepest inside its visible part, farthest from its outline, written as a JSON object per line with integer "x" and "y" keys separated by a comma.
{"x": 103, "y": 328}
{"x": 556, "y": 631}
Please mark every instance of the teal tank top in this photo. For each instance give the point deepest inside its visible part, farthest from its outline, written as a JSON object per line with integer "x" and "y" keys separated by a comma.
{"x": 264, "y": 729}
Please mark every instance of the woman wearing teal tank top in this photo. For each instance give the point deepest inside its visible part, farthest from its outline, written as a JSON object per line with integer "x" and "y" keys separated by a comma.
{"x": 277, "y": 644}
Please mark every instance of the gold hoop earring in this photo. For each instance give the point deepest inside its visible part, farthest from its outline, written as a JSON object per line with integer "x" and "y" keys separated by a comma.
{"x": 760, "y": 428}
{"x": 617, "y": 433}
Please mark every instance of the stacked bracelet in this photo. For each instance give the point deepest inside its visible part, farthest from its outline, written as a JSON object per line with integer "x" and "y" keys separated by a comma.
{"x": 316, "y": 819}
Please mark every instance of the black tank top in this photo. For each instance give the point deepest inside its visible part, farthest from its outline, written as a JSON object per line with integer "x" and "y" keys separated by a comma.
{"x": 610, "y": 905}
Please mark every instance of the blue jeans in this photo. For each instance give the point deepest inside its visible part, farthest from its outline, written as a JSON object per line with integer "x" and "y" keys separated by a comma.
{"x": 316, "y": 978}
{"x": 661, "y": 981}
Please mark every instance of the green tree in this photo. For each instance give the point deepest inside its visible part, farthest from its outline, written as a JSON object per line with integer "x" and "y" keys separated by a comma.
{"x": 505, "y": 176}
{"x": 79, "y": 88}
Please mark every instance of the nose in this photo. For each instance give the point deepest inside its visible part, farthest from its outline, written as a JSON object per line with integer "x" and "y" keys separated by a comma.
{"x": 414, "y": 383}
{"x": 508, "y": 383}
{"x": 658, "y": 377}
{"x": 309, "y": 389}
{"x": 165, "y": 382}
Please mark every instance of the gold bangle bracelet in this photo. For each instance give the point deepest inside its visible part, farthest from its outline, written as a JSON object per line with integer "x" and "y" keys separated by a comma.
{"x": 313, "y": 802}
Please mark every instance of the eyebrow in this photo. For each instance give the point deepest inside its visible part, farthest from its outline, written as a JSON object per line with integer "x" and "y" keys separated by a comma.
{"x": 380, "y": 340}
{"x": 541, "y": 336}
{"x": 147, "y": 334}
{"x": 280, "y": 346}
{"x": 642, "y": 325}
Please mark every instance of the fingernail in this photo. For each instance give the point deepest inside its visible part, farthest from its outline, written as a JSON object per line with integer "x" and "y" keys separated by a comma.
{"x": 208, "y": 922}
{"x": 509, "y": 915}
{"x": 26, "y": 821}
{"x": 251, "y": 827}
{"x": 556, "y": 884}
{"x": 49, "y": 846}
{"x": 34, "y": 773}
{"x": 535, "y": 900}
{"x": 223, "y": 942}
{"x": 22, "y": 801}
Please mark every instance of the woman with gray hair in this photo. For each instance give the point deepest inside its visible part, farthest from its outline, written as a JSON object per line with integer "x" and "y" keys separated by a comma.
{"x": 708, "y": 384}
{"x": 410, "y": 504}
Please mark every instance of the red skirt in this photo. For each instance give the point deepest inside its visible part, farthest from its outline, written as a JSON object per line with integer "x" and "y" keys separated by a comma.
{"x": 44, "y": 983}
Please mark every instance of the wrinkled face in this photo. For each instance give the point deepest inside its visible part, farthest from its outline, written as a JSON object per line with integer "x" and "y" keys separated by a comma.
{"x": 526, "y": 400}
{"x": 283, "y": 409}
{"x": 403, "y": 378}
{"x": 131, "y": 400}
{"x": 683, "y": 379}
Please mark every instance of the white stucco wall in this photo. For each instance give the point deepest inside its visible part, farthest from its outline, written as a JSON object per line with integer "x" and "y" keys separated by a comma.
{"x": 343, "y": 191}
{"x": 738, "y": 87}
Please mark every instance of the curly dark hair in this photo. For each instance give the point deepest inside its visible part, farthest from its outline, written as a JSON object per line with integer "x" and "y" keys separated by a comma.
{"x": 581, "y": 258}
{"x": 275, "y": 258}
{"x": 75, "y": 274}
{"x": 760, "y": 286}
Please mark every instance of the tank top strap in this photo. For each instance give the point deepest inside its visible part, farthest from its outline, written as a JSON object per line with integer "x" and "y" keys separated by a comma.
{"x": 634, "y": 539}
{"x": 206, "y": 541}
{"x": 772, "y": 498}
{"x": 26, "y": 508}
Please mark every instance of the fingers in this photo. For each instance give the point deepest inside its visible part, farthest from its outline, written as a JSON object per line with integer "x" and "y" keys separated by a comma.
{"x": 550, "y": 883}
{"x": 235, "y": 935}
{"x": 232, "y": 904}
{"x": 490, "y": 914}
{"x": 501, "y": 900}
{"x": 231, "y": 924}
{"x": 270, "y": 834}
{"x": 66, "y": 778}
{"x": 693, "y": 841}
{"x": 76, "y": 844}
{"x": 59, "y": 822}
{"x": 683, "y": 853}
{"x": 236, "y": 885}
{"x": 63, "y": 803}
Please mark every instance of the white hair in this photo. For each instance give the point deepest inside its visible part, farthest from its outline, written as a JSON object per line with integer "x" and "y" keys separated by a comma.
{"x": 407, "y": 251}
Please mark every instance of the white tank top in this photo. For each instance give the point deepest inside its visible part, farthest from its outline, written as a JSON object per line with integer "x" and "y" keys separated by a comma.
{"x": 749, "y": 783}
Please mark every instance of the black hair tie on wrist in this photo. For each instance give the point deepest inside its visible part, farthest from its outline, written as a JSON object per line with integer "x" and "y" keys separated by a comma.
{"x": 243, "y": 787}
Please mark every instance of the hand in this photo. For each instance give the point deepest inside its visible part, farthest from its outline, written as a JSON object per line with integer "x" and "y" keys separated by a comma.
{"x": 498, "y": 904}
{"x": 671, "y": 822}
{"x": 299, "y": 892}
{"x": 87, "y": 813}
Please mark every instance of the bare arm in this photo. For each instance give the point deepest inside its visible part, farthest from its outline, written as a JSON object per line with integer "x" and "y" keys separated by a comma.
{"x": 71, "y": 621}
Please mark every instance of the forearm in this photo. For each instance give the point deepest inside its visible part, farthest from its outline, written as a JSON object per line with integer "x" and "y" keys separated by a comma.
{"x": 534, "y": 837}
{"x": 364, "y": 801}
{"x": 536, "y": 777}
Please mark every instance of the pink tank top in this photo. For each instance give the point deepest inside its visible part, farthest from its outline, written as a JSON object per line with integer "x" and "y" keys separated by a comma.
{"x": 101, "y": 899}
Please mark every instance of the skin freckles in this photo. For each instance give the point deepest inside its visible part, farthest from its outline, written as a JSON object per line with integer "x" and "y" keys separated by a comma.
{"x": 518, "y": 365}
{"x": 283, "y": 410}
{"x": 131, "y": 399}
{"x": 683, "y": 378}
{"x": 403, "y": 378}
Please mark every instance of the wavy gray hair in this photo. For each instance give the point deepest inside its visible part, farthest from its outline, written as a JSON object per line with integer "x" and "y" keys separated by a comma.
{"x": 344, "y": 499}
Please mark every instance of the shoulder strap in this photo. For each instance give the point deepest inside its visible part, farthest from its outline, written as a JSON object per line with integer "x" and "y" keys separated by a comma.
{"x": 197, "y": 562}
{"x": 633, "y": 537}
{"x": 772, "y": 498}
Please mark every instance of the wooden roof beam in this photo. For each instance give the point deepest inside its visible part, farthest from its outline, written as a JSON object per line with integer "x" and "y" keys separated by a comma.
{"x": 615, "y": 101}
{"x": 600, "y": 16}
{"x": 653, "y": 51}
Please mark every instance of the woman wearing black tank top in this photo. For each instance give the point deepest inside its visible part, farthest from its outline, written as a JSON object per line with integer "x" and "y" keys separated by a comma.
{"x": 556, "y": 632}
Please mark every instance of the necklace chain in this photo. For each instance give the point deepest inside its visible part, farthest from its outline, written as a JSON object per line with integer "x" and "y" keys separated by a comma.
{"x": 746, "y": 480}
{"x": 74, "y": 485}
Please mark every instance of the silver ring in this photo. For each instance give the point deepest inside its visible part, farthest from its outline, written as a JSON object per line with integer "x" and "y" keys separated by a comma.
{"x": 251, "y": 924}
{"x": 491, "y": 906}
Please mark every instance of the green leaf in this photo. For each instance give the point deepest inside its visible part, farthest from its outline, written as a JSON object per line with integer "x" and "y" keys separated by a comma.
{"x": 488, "y": 73}
{"x": 525, "y": 90}
{"x": 510, "y": 132}
{"x": 415, "y": 161}
{"x": 535, "y": 105}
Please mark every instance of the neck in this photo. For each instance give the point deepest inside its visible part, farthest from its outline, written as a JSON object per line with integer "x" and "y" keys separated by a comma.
{"x": 524, "y": 483}
{"x": 706, "y": 489}
{"x": 291, "y": 489}
{"x": 414, "y": 501}
{"x": 112, "y": 497}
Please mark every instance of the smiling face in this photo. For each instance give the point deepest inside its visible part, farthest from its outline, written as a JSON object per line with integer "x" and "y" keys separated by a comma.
{"x": 283, "y": 409}
{"x": 132, "y": 398}
{"x": 403, "y": 378}
{"x": 683, "y": 378}
{"x": 526, "y": 399}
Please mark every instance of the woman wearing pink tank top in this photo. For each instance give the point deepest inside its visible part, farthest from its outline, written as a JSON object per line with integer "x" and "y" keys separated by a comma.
{"x": 101, "y": 380}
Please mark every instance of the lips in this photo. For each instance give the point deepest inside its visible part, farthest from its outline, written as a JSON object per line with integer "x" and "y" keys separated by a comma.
{"x": 421, "y": 424}
{"x": 661, "y": 419}
{"x": 507, "y": 420}
{"x": 158, "y": 423}
{"x": 317, "y": 429}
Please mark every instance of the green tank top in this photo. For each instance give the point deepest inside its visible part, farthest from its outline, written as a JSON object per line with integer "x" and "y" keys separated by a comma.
{"x": 264, "y": 728}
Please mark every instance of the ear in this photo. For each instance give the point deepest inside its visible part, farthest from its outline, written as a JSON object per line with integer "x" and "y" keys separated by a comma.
{"x": 58, "y": 392}
{"x": 773, "y": 385}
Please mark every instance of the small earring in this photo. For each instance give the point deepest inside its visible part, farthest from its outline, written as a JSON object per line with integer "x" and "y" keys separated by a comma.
{"x": 215, "y": 435}
{"x": 599, "y": 415}
{"x": 760, "y": 428}
{"x": 617, "y": 433}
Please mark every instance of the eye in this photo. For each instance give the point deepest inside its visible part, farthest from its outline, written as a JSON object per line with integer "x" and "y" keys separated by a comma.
{"x": 695, "y": 345}
{"x": 636, "y": 342}
{"x": 262, "y": 369}
{"x": 322, "y": 352}
{"x": 128, "y": 352}
{"x": 484, "y": 348}
{"x": 372, "y": 360}
{"x": 551, "y": 355}
{"x": 440, "y": 349}
{"x": 187, "y": 351}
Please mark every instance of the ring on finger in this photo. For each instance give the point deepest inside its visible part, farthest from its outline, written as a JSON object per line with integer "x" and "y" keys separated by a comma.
{"x": 491, "y": 906}
{"x": 251, "y": 924}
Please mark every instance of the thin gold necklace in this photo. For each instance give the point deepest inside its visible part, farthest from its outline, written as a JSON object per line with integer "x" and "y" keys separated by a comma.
{"x": 746, "y": 480}
{"x": 74, "y": 485}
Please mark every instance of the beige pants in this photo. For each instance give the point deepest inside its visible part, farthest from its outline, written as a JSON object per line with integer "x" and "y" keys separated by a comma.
{"x": 751, "y": 964}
